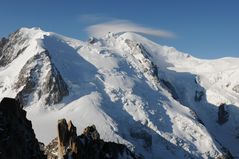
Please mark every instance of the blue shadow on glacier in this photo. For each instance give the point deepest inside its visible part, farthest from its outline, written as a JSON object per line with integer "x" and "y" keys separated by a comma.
{"x": 75, "y": 70}
{"x": 80, "y": 76}
{"x": 192, "y": 95}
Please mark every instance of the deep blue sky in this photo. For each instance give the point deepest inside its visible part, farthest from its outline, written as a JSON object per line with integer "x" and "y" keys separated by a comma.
{"x": 203, "y": 28}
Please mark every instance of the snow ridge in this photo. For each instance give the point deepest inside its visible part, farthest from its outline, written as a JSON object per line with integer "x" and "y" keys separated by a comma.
{"x": 156, "y": 100}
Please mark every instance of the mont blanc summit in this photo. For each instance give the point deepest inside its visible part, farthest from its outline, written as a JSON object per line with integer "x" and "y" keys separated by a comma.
{"x": 155, "y": 100}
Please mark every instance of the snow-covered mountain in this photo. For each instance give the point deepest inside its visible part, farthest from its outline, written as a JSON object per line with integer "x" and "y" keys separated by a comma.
{"x": 158, "y": 101}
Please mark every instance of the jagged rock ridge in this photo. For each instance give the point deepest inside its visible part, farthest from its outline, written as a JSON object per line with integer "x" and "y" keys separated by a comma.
{"x": 17, "y": 138}
{"x": 136, "y": 92}
{"x": 88, "y": 145}
{"x": 38, "y": 78}
{"x": 30, "y": 81}
{"x": 12, "y": 47}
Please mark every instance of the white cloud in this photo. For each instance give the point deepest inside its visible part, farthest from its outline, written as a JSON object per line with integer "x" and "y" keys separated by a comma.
{"x": 117, "y": 26}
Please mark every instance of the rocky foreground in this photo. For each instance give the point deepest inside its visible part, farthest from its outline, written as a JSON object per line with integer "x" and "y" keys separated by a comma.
{"x": 18, "y": 141}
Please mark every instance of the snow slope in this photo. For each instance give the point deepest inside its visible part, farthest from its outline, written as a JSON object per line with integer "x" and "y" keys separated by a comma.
{"x": 135, "y": 91}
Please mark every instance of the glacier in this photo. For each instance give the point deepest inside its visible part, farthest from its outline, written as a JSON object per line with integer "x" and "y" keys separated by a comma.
{"x": 159, "y": 102}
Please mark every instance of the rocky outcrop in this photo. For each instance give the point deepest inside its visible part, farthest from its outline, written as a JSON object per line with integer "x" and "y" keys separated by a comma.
{"x": 86, "y": 146}
{"x": 236, "y": 88}
{"x": 170, "y": 88}
{"x": 66, "y": 139}
{"x": 143, "y": 135}
{"x": 198, "y": 96}
{"x": 222, "y": 114}
{"x": 92, "y": 147}
{"x": 226, "y": 153}
{"x": 40, "y": 78}
{"x": 3, "y": 41}
{"x": 8, "y": 49}
{"x": 140, "y": 53}
{"x": 54, "y": 86}
{"x": 17, "y": 138}
{"x": 28, "y": 79}
{"x": 92, "y": 40}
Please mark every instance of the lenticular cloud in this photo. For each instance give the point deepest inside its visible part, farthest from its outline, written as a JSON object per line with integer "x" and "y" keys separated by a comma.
{"x": 117, "y": 26}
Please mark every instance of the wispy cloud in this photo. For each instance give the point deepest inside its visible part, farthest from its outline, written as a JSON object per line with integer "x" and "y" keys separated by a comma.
{"x": 118, "y": 25}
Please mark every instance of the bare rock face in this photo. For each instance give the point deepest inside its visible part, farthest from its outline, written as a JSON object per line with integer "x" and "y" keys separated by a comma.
{"x": 222, "y": 114}
{"x": 40, "y": 78}
{"x": 51, "y": 150}
{"x": 92, "y": 40}
{"x": 226, "y": 155}
{"x": 143, "y": 135}
{"x": 86, "y": 146}
{"x": 139, "y": 52}
{"x": 8, "y": 51}
{"x": 3, "y": 41}
{"x": 55, "y": 86}
{"x": 28, "y": 79}
{"x": 66, "y": 139}
{"x": 236, "y": 88}
{"x": 91, "y": 132}
{"x": 198, "y": 96}
{"x": 90, "y": 146}
{"x": 63, "y": 137}
{"x": 170, "y": 88}
{"x": 17, "y": 138}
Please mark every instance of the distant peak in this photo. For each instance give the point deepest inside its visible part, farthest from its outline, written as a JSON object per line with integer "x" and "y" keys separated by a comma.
{"x": 30, "y": 29}
{"x": 35, "y": 32}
